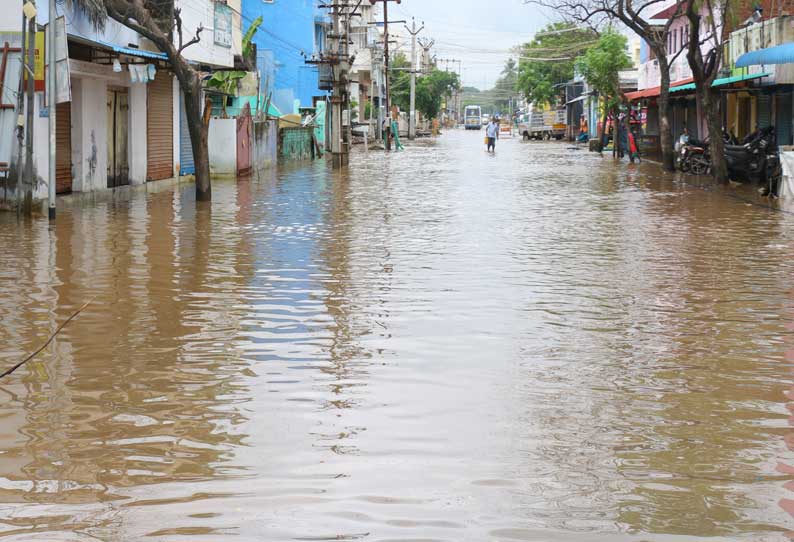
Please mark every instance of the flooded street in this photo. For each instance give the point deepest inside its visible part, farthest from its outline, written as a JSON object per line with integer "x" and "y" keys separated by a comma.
{"x": 436, "y": 345}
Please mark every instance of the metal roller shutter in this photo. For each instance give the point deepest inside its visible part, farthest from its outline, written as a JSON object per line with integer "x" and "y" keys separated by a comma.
{"x": 160, "y": 128}
{"x": 186, "y": 164}
{"x": 63, "y": 148}
{"x": 784, "y": 119}
{"x": 692, "y": 119}
{"x": 764, "y": 105}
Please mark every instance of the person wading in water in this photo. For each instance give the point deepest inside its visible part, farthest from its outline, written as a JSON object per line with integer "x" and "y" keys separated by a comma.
{"x": 492, "y": 134}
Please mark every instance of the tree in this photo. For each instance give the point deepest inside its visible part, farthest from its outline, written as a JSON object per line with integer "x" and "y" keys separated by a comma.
{"x": 506, "y": 86}
{"x": 548, "y": 60}
{"x": 431, "y": 88}
{"x": 637, "y": 16}
{"x": 157, "y": 20}
{"x": 705, "y": 63}
{"x": 600, "y": 66}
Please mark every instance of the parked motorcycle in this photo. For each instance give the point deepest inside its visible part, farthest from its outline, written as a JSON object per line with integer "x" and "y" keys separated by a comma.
{"x": 749, "y": 162}
{"x": 693, "y": 156}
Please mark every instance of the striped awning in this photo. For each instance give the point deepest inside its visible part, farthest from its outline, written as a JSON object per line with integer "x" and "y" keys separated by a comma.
{"x": 723, "y": 81}
{"x": 131, "y": 51}
{"x": 780, "y": 54}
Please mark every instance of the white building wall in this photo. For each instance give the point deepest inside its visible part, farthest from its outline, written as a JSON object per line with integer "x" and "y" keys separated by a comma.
{"x": 90, "y": 124}
{"x": 238, "y": 27}
{"x": 89, "y": 137}
{"x": 222, "y": 139}
{"x": 138, "y": 140}
{"x": 197, "y": 13}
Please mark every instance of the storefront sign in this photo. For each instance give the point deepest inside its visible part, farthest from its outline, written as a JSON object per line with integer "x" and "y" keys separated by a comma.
{"x": 223, "y": 25}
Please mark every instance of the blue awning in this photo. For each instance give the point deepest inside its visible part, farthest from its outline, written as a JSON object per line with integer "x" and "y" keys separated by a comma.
{"x": 780, "y": 54}
{"x": 131, "y": 51}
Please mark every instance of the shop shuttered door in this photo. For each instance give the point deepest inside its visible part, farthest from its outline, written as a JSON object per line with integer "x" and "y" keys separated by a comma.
{"x": 764, "y": 111}
{"x": 63, "y": 148}
{"x": 784, "y": 119}
{"x": 160, "y": 128}
{"x": 186, "y": 164}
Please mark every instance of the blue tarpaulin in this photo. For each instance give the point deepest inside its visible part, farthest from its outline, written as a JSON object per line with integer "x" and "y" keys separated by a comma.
{"x": 131, "y": 51}
{"x": 780, "y": 54}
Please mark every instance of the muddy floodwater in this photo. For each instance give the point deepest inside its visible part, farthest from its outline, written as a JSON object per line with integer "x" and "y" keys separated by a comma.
{"x": 437, "y": 345}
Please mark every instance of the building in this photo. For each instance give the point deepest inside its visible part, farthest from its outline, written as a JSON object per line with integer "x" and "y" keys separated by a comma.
{"x": 750, "y": 97}
{"x": 292, "y": 32}
{"x": 120, "y": 114}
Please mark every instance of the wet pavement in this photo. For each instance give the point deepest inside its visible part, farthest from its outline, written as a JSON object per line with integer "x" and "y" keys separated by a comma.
{"x": 438, "y": 345}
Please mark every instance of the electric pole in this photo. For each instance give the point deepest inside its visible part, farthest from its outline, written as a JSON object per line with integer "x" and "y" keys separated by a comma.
{"x": 27, "y": 202}
{"x": 52, "y": 97}
{"x": 386, "y": 61}
{"x": 412, "y": 114}
{"x": 426, "y": 45}
{"x": 337, "y": 58}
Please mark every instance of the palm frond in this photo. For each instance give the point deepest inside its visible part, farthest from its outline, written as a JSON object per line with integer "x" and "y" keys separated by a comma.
{"x": 94, "y": 10}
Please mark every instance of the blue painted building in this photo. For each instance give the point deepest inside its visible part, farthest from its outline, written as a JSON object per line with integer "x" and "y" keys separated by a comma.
{"x": 291, "y": 32}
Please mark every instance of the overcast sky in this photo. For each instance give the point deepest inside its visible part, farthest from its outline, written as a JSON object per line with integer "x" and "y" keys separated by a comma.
{"x": 477, "y": 32}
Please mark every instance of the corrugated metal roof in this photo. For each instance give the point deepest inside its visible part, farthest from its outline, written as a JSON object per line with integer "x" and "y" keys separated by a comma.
{"x": 724, "y": 81}
{"x": 780, "y": 54}
{"x": 134, "y": 52}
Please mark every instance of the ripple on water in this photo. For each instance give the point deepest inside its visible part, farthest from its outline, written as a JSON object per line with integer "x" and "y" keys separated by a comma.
{"x": 437, "y": 344}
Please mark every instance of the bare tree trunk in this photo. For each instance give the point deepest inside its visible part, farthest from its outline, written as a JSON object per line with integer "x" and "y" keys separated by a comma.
{"x": 710, "y": 106}
{"x": 134, "y": 14}
{"x": 665, "y": 132}
{"x": 704, "y": 71}
{"x": 604, "y": 130}
{"x": 198, "y": 138}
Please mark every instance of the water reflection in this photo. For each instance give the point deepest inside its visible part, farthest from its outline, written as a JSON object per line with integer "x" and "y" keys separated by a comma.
{"x": 527, "y": 346}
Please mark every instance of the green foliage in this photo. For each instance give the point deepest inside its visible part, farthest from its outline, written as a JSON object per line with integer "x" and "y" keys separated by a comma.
{"x": 497, "y": 99}
{"x": 249, "y": 35}
{"x": 548, "y": 60}
{"x": 431, "y": 88}
{"x": 227, "y": 81}
{"x": 601, "y": 63}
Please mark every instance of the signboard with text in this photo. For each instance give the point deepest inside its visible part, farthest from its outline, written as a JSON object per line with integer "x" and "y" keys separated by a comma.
{"x": 223, "y": 25}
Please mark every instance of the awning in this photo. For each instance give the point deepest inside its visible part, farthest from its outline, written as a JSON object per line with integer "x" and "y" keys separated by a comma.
{"x": 131, "y": 51}
{"x": 781, "y": 54}
{"x": 581, "y": 98}
{"x": 654, "y": 91}
{"x": 724, "y": 81}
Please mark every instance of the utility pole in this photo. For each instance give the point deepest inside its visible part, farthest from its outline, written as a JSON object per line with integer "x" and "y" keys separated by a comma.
{"x": 426, "y": 45}
{"x": 52, "y": 97}
{"x": 27, "y": 202}
{"x": 386, "y": 60}
{"x": 412, "y": 114}
{"x": 337, "y": 58}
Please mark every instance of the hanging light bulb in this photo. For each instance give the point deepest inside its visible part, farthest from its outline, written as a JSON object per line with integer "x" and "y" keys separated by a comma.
{"x": 116, "y": 65}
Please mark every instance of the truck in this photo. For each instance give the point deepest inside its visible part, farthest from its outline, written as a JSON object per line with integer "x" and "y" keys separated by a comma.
{"x": 540, "y": 124}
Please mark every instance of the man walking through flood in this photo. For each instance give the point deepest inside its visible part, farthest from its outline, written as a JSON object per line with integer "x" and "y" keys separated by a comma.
{"x": 492, "y": 134}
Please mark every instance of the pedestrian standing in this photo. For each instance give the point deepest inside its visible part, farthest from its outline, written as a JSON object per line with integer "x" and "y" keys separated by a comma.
{"x": 491, "y": 135}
